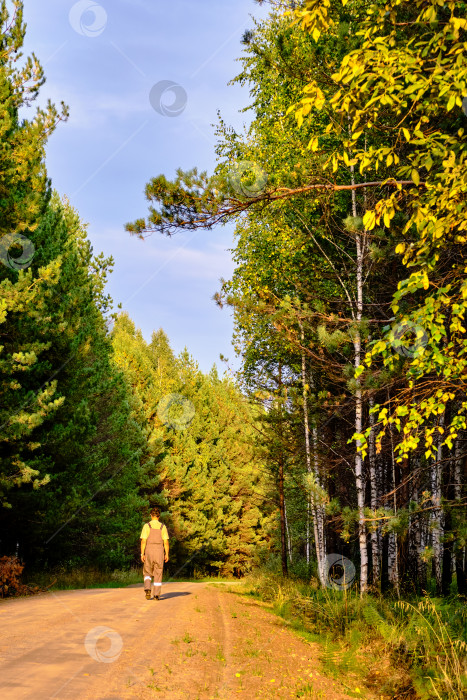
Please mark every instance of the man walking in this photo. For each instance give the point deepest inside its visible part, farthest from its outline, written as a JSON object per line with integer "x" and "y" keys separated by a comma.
{"x": 154, "y": 552}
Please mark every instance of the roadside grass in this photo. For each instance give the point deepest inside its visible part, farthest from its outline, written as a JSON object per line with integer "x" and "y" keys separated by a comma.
{"x": 62, "y": 579}
{"x": 396, "y": 649}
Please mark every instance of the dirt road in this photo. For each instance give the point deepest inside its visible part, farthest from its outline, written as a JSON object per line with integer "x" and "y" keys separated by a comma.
{"x": 198, "y": 641}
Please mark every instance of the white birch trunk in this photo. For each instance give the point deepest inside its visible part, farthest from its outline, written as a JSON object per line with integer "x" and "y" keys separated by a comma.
{"x": 307, "y": 449}
{"x": 320, "y": 510}
{"x": 359, "y": 478}
{"x": 314, "y": 508}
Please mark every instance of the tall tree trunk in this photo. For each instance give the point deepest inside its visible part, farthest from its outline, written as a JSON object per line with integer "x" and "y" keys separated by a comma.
{"x": 282, "y": 515}
{"x": 309, "y": 507}
{"x": 319, "y": 508}
{"x": 374, "y": 484}
{"x": 319, "y": 514}
{"x": 314, "y": 508}
{"x": 417, "y": 542}
{"x": 287, "y": 530}
{"x": 436, "y": 514}
{"x": 461, "y": 577}
{"x": 281, "y": 483}
{"x": 393, "y": 550}
{"x": 357, "y": 342}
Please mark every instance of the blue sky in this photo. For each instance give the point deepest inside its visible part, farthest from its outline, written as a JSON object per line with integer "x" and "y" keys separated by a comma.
{"x": 103, "y": 59}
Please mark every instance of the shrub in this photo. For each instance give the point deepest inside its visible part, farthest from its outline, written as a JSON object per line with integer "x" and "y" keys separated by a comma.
{"x": 10, "y": 577}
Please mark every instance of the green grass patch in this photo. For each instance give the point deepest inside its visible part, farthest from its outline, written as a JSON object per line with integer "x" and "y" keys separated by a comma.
{"x": 406, "y": 649}
{"x": 62, "y": 580}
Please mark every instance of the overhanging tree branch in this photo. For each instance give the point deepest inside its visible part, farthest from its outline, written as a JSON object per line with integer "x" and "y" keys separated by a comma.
{"x": 195, "y": 200}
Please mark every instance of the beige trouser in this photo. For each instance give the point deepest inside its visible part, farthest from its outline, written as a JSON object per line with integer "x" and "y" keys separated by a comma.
{"x": 153, "y": 566}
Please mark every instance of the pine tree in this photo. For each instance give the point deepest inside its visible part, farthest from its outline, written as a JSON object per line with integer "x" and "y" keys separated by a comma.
{"x": 91, "y": 447}
{"x": 24, "y": 195}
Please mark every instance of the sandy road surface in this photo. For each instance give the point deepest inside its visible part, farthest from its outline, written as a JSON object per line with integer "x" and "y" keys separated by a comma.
{"x": 198, "y": 641}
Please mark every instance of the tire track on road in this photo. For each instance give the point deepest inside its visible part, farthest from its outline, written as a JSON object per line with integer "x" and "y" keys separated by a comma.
{"x": 227, "y": 649}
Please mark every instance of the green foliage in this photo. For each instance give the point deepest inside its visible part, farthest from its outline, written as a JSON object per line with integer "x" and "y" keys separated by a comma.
{"x": 417, "y": 88}
{"x": 91, "y": 467}
{"x": 24, "y": 186}
{"x": 24, "y": 194}
{"x": 390, "y": 646}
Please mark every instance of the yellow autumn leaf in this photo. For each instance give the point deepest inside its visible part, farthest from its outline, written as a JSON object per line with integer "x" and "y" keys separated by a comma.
{"x": 369, "y": 220}
{"x": 314, "y": 142}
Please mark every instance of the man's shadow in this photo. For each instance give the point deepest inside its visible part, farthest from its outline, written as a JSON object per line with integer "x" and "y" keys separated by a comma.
{"x": 164, "y": 596}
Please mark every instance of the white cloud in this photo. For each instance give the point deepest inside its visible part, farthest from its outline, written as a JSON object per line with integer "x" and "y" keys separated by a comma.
{"x": 88, "y": 111}
{"x": 178, "y": 258}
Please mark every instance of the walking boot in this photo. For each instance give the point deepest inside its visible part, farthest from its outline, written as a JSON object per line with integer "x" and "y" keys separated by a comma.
{"x": 148, "y": 595}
